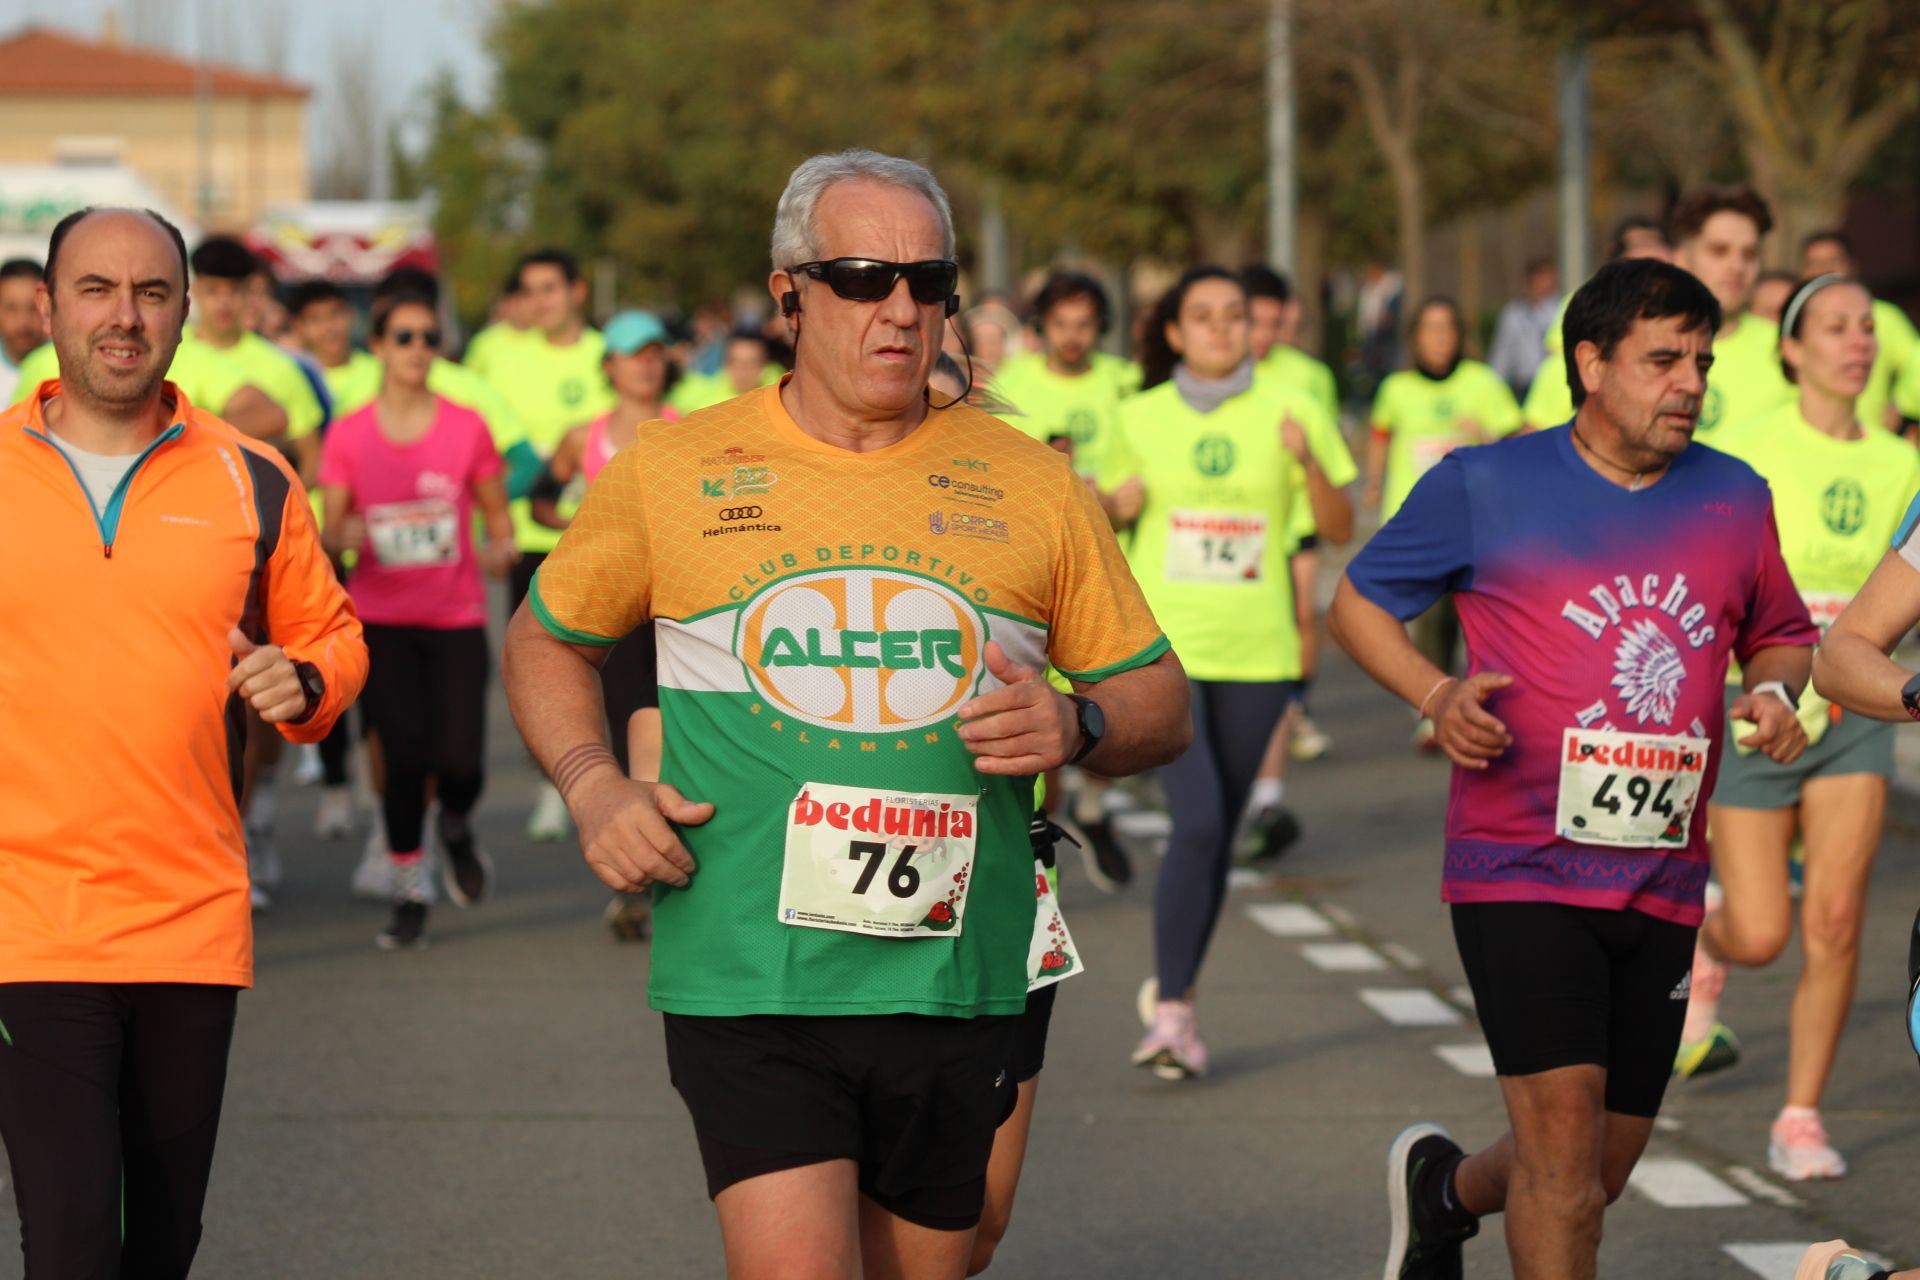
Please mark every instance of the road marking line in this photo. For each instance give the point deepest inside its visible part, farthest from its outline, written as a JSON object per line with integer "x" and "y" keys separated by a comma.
{"x": 1289, "y": 920}
{"x": 1474, "y": 1060}
{"x": 1758, "y": 1187}
{"x": 1343, "y": 957}
{"x": 1402, "y": 956}
{"x": 1463, "y": 996}
{"x": 1142, "y": 824}
{"x": 1673, "y": 1183}
{"x": 1339, "y": 915}
{"x": 1410, "y": 1007}
{"x": 1779, "y": 1261}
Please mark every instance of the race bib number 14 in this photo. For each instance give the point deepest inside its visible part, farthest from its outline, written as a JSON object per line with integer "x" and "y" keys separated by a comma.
{"x": 1216, "y": 546}
{"x": 883, "y": 863}
{"x": 1629, "y": 790}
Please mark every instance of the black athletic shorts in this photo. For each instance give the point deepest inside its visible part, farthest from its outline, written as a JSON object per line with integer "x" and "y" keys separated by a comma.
{"x": 1030, "y": 1034}
{"x": 629, "y": 681}
{"x": 1560, "y": 986}
{"x": 914, "y": 1101}
{"x": 520, "y": 578}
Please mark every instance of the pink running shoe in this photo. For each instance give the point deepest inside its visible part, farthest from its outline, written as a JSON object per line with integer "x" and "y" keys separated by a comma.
{"x": 1171, "y": 1048}
{"x": 1800, "y": 1151}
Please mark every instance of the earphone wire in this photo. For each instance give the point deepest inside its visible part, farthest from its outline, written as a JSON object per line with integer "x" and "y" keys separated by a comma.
{"x": 967, "y": 350}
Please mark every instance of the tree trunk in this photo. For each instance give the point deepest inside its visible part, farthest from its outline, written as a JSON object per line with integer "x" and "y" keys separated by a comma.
{"x": 1409, "y": 204}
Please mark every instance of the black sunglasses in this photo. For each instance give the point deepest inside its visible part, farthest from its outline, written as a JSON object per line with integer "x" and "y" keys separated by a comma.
{"x": 870, "y": 280}
{"x": 405, "y": 337}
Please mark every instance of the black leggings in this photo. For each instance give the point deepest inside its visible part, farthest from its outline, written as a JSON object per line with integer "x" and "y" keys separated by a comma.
{"x": 109, "y": 1105}
{"x": 1206, "y": 789}
{"x": 426, "y": 697}
{"x": 628, "y": 682}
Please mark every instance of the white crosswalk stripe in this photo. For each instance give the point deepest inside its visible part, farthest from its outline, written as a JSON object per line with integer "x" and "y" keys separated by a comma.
{"x": 1674, "y": 1183}
{"x": 1474, "y": 1060}
{"x": 1289, "y": 920}
{"x": 1343, "y": 957}
{"x": 1410, "y": 1007}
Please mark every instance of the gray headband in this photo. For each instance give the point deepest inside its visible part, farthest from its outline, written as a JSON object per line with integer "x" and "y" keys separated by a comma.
{"x": 1796, "y": 304}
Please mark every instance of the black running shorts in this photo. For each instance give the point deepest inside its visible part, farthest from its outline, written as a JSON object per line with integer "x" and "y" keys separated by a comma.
{"x": 914, "y": 1101}
{"x": 1561, "y": 986}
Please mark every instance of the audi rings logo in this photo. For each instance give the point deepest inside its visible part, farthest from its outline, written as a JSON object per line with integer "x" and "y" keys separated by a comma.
{"x": 740, "y": 513}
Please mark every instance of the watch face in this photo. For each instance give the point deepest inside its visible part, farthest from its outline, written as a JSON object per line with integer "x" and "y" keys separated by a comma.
{"x": 1092, "y": 719}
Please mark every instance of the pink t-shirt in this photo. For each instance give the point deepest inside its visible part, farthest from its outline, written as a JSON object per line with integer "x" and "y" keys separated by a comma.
{"x": 417, "y": 568}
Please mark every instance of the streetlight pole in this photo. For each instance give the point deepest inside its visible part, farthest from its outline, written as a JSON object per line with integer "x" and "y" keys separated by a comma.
{"x": 1282, "y": 187}
{"x": 1573, "y": 70}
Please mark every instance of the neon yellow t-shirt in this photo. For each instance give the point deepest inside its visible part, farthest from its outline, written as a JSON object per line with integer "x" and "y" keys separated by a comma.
{"x": 1292, "y": 397}
{"x": 354, "y": 384}
{"x": 551, "y": 390}
{"x": 1082, "y": 407}
{"x": 1549, "y": 398}
{"x": 489, "y": 347}
{"x": 1898, "y": 347}
{"x": 1746, "y": 380}
{"x": 255, "y": 362}
{"x": 208, "y": 382}
{"x": 817, "y": 630}
{"x": 1211, "y": 545}
{"x": 697, "y": 391}
{"x": 1292, "y": 365}
{"x": 1837, "y": 502}
{"x": 1427, "y": 418}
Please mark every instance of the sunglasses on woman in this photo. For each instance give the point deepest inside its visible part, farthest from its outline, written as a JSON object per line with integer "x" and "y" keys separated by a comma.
{"x": 870, "y": 280}
{"x": 405, "y": 337}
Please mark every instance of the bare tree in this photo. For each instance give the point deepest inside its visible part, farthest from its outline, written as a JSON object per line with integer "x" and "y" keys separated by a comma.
{"x": 355, "y": 121}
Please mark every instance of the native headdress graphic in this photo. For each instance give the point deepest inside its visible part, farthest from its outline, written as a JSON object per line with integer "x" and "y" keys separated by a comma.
{"x": 1648, "y": 672}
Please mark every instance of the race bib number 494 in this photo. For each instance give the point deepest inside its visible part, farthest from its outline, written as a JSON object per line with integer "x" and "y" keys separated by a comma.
{"x": 884, "y": 863}
{"x": 1629, "y": 790}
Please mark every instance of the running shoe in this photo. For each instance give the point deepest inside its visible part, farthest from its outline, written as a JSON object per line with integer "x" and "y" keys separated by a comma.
{"x": 407, "y": 930}
{"x": 1270, "y": 833}
{"x": 1716, "y": 1051}
{"x": 1796, "y": 867}
{"x": 1147, "y": 1000}
{"x": 550, "y": 822}
{"x": 1172, "y": 1048}
{"x": 1798, "y": 1149}
{"x": 1105, "y": 862}
{"x": 629, "y": 917}
{"x": 1419, "y": 1249}
{"x": 1425, "y": 736}
{"x": 259, "y": 899}
{"x": 307, "y": 769}
{"x": 333, "y": 816}
{"x": 263, "y": 857}
{"x": 467, "y": 871}
{"x": 1309, "y": 743}
{"x": 373, "y": 875}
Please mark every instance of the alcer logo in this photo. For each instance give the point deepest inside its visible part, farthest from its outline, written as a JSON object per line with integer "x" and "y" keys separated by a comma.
{"x": 865, "y": 650}
{"x": 1844, "y": 506}
{"x": 1213, "y": 455}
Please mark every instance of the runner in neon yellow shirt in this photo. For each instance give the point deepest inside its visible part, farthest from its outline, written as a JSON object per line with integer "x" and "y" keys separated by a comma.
{"x": 509, "y": 326}
{"x": 322, "y": 323}
{"x": 1831, "y": 253}
{"x": 1717, "y": 233}
{"x": 1203, "y": 470}
{"x": 1068, "y": 393}
{"x": 1840, "y": 490}
{"x": 744, "y": 365}
{"x": 1422, "y": 414}
{"x": 1273, "y": 327}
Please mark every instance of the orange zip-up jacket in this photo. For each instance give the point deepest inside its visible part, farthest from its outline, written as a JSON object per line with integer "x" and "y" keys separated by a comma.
{"x": 121, "y": 855}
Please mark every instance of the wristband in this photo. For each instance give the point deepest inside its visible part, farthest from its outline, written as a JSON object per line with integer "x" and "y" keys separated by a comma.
{"x": 578, "y": 763}
{"x": 1910, "y": 697}
{"x": 1778, "y": 688}
{"x": 1444, "y": 682}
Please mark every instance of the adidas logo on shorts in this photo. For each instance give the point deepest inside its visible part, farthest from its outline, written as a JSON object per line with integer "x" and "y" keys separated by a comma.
{"x": 1685, "y": 989}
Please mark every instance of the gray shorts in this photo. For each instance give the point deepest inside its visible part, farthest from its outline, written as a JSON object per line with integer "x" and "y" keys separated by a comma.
{"x": 1856, "y": 744}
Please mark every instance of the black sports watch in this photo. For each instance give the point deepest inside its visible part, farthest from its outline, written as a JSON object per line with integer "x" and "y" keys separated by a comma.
{"x": 1910, "y": 697}
{"x": 1093, "y": 726}
{"x": 313, "y": 685}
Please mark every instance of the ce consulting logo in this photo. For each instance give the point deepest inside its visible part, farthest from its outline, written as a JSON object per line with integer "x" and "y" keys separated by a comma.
{"x": 862, "y": 650}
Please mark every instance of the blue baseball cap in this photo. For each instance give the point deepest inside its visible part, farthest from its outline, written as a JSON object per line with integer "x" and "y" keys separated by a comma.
{"x": 630, "y": 331}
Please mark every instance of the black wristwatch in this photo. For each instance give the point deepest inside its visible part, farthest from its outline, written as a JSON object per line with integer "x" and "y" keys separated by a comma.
{"x": 1093, "y": 726}
{"x": 1910, "y": 697}
{"x": 313, "y": 685}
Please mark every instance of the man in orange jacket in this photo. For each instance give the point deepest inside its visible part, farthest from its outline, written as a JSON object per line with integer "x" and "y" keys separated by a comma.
{"x": 163, "y": 574}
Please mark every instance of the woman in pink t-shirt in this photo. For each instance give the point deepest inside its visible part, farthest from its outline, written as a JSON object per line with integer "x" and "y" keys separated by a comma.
{"x": 399, "y": 482}
{"x": 641, "y": 374}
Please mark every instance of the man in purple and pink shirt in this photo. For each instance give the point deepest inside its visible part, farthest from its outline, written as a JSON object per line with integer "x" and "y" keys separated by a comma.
{"x": 1605, "y": 573}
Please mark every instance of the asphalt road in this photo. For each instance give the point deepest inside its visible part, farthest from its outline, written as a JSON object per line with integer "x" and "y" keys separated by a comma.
{"x": 498, "y": 1106}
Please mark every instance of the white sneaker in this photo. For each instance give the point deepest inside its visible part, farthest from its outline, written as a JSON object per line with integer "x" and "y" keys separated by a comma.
{"x": 550, "y": 822}
{"x": 261, "y": 900}
{"x": 1798, "y": 1148}
{"x": 1147, "y": 1001}
{"x": 333, "y": 818}
{"x": 263, "y": 858}
{"x": 373, "y": 875}
{"x": 307, "y": 769}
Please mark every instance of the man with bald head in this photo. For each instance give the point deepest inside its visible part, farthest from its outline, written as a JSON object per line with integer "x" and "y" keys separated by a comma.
{"x": 855, "y": 588}
{"x": 164, "y": 578}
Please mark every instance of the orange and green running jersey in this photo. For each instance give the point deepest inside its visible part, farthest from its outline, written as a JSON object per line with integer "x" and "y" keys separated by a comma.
{"x": 821, "y": 616}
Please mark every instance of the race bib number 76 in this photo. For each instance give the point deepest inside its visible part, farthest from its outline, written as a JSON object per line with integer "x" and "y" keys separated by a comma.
{"x": 1629, "y": 790}
{"x": 884, "y": 863}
